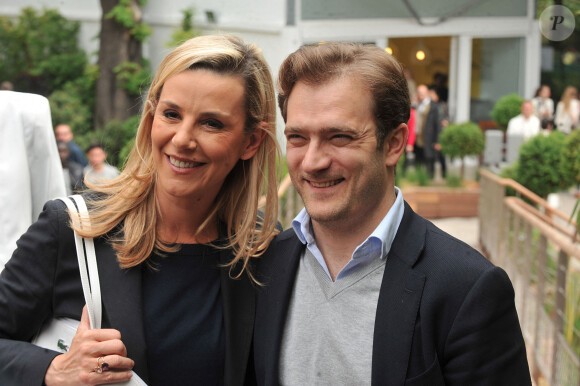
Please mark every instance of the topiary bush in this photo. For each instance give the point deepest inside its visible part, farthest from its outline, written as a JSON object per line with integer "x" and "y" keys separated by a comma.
{"x": 505, "y": 109}
{"x": 461, "y": 140}
{"x": 570, "y": 159}
{"x": 538, "y": 167}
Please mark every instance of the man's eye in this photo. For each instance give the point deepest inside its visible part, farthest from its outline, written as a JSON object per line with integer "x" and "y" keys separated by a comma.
{"x": 340, "y": 139}
{"x": 295, "y": 139}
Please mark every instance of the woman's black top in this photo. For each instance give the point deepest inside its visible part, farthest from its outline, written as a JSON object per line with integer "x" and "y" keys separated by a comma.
{"x": 183, "y": 317}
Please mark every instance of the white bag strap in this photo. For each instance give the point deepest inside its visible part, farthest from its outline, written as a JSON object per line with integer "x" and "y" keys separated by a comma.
{"x": 87, "y": 259}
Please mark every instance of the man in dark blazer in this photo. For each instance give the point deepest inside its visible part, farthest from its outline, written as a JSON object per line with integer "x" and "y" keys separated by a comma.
{"x": 428, "y": 136}
{"x": 362, "y": 290}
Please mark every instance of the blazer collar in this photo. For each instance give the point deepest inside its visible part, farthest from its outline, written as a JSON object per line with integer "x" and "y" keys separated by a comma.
{"x": 239, "y": 304}
{"x": 285, "y": 252}
{"x": 398, "y": 304}
{"x": 122, "y": 304}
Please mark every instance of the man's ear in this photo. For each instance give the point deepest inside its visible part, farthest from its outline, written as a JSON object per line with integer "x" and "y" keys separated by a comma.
{"x": 254, "y": 141}
{"x": 395, "y": 144}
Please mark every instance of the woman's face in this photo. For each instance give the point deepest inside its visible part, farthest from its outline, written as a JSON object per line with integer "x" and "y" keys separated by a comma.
{"x": 198, "y": 134}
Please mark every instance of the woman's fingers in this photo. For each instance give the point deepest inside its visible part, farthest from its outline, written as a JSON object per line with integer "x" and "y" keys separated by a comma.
{"x": 114, "y": 363}
{"x": 94, "y": 357}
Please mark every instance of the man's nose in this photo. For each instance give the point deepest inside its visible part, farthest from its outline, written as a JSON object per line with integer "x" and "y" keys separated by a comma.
{"x": 316, "y": 158}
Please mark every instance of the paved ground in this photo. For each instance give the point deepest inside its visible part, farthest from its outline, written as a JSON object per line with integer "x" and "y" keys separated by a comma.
{"x": 465, "y": 229}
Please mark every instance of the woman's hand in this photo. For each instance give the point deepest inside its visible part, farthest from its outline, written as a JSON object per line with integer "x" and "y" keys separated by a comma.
{"x": 95, "y": 357}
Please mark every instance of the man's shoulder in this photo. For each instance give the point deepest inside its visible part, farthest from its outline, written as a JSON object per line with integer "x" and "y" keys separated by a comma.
{"x": 518, "y": 117}
{"x": 448, "y": 256}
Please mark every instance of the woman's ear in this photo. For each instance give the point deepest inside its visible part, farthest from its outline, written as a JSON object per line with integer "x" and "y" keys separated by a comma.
{"x": 395, "y": 144}
{"x": 254, "y": 141}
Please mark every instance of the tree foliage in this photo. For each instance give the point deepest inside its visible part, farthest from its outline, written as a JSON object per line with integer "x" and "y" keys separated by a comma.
{"x": 74, "y": 103}
{"x": 570, "y": 159}
{"x": 461, "y": 140}
{"x": 538, "y": 166}
{"x": 128, "y": 14}
{"x": 505, "y": 109}
{"x": 186, "y": 31}
{"x": 39, "y": 52}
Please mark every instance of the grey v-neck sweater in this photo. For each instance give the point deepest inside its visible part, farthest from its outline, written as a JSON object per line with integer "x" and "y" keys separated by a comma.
{"x": 328, "y": 338}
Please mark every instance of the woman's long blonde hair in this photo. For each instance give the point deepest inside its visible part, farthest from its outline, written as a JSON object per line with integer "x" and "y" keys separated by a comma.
{"x": 569, "y": 93}
{"x": 126, "y": 209}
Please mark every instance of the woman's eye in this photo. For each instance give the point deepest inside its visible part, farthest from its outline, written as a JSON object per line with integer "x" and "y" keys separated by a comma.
{"x": 171, "y": 114}
{"x": 214, "y": 123}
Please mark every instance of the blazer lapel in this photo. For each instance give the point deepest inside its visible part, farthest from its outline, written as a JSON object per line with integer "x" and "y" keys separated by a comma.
{"x": 239, "y": 304}
{"x": 398, "y": 303}
{"x": 274, "y": 299}
{"x": 122, "y": 304}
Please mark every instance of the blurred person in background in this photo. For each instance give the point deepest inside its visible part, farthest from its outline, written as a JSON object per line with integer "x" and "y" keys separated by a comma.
{"x": 30, "y": 168}
{"x": 544, "y": 107}
{"x": 98, "y": 170}
{"x": 525, "y": 124}
{"x": 64, "y": 133}
{"x": 567, "y": 111}
{"x": 72, "y": 171}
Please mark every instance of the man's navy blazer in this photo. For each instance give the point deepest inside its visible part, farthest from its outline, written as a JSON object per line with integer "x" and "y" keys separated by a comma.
{"x": 445, "y": 314}
{"x": 42, "y": 281}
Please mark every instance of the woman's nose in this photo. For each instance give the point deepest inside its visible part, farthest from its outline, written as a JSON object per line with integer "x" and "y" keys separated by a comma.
{"x": 185, "y": 138}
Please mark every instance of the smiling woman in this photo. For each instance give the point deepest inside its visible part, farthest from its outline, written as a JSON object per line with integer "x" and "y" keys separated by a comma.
{"x": 198, "y": 136}
{"x": 182, "y": 218}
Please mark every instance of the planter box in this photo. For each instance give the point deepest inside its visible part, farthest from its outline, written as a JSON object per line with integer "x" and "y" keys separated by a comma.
{"x": 441, "y": 202}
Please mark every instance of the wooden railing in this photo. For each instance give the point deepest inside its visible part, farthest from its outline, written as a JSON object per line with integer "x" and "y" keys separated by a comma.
{"x": 537, "y": 246}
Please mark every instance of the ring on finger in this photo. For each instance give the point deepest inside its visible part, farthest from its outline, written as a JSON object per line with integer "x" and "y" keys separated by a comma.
{"x": 101, "y": 366}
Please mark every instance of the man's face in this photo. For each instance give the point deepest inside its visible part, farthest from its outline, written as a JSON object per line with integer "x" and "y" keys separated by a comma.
{"x": 96, "y": 156}
{"x": 63, "y": 133}
{"x": 332, "y": 151}
{"x": 527, "y": 109}
{"x": 422, "y": 92}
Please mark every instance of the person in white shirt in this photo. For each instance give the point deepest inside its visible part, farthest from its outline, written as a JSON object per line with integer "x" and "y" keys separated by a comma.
{"x": 568, "y": 111}
{"x": 30, "y": 168}
{"x": 525, "y": 124}
{"x": 544, "y": 107}
{"x": 98, "y": 170}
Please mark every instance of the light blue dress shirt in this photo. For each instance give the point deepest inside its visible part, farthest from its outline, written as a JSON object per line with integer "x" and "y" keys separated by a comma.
{"x": 377, "y": 245}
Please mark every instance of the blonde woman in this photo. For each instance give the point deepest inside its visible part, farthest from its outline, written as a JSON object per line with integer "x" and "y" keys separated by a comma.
{"x": 175, "y": 234}
{"x": 567, "y": 110}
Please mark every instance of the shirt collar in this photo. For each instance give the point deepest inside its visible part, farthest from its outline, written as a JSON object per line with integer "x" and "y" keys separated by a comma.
{"x": 385, "y": 232}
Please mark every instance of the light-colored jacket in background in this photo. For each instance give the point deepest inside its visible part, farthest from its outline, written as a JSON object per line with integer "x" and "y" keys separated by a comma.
{"x": 30, "y": 167}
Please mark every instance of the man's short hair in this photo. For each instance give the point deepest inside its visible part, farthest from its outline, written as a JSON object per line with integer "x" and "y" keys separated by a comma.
{"x": 380, "y": 72}
{"x": 96, "y": 145}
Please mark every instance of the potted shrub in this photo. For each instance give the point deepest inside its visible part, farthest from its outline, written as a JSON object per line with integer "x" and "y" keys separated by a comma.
{"x": 570, "y": 164}
{"x": 505, "y": 109}
{"x": 462, "y": 140}
{"x": 539, "y": 164}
